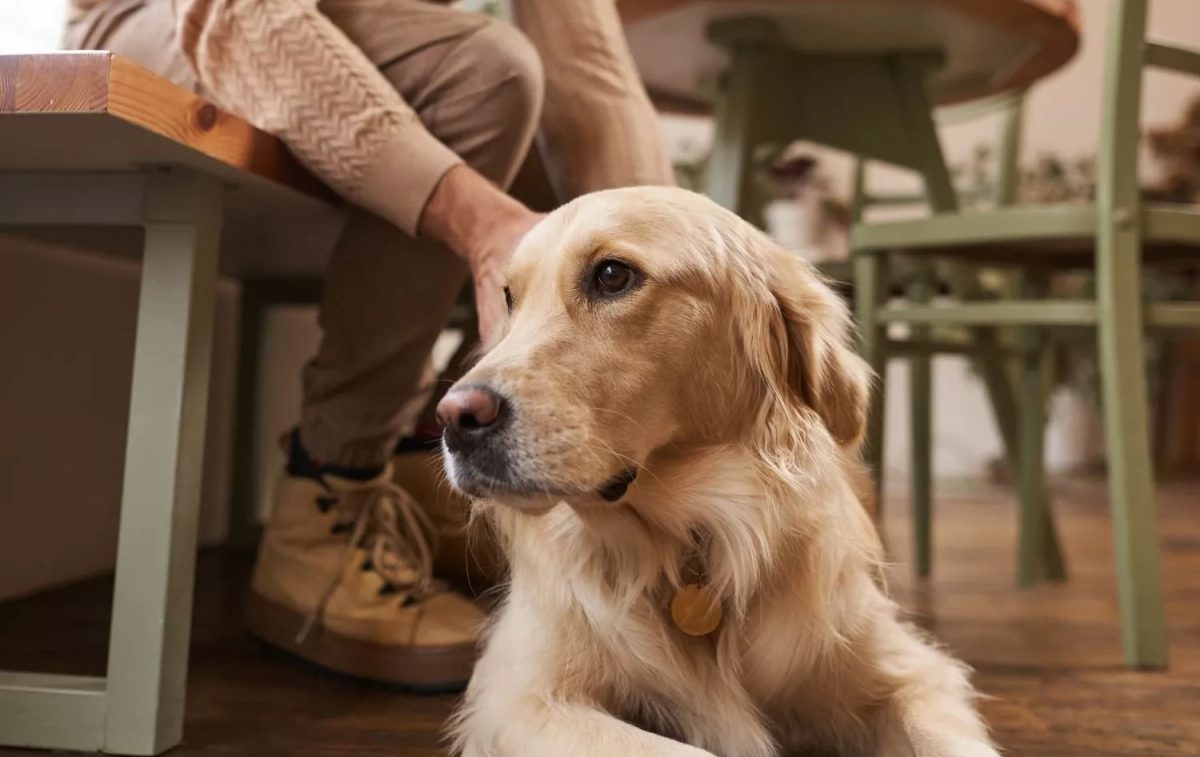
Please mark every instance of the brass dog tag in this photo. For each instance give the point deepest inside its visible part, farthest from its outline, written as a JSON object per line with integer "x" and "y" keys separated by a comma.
{"x": 696, "y": 610}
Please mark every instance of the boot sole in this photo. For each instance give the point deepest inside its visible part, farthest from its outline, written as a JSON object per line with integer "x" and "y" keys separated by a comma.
{"x": 424, "y": 670}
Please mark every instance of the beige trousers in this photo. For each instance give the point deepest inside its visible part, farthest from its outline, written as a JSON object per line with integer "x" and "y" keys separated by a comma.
{"x": 476, "y": 83}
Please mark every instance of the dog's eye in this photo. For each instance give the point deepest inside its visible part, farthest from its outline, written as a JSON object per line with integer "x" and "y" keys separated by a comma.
{"x": 508, "y": 298}
{"x": 612, "y": 278}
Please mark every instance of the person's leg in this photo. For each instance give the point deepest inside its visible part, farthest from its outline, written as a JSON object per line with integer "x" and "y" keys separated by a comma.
{"x": 372, "y": 609}
{"x": 477, "y": 86}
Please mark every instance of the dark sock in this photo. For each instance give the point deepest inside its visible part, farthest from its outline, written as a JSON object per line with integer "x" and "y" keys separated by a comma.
{"x": 303, "y": 465}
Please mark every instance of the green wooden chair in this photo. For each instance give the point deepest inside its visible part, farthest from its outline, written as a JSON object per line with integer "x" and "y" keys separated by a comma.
{"x": 920, "y": 347}
{"x": 1115, "y": 237}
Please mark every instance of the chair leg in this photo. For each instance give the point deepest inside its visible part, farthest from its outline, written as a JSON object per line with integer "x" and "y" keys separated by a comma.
{"x": 909, "y": 78}
{"x": 1007, "y": 413}
{"x": 1122, "y": 359}
{"x": 152, "y": 601}
{"x": 1131, "y": 479}
{"x": 1038, "y": 557}
{"x": 921, "y": 389}
{"x": 740, "y": 116}
{"x": 1054, "y": 565}
{"x": 908, "y": 75}
{"x": 1031, "y": 473}
{"x": 1127, "y": 428}
{"x": 870, "y": 293}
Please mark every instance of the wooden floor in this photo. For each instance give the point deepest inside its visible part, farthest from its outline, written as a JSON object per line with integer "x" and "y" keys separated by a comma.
{"x": 1050, "y": 658}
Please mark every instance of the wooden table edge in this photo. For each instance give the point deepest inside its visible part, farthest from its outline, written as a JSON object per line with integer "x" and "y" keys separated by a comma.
{"x": 1055, "y": 22}
{"x": 102, "y": 82}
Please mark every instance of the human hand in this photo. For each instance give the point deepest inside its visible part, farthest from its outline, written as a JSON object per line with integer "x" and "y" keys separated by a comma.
{"x": 487, "y": 271}
{"x": 482, "y": 225}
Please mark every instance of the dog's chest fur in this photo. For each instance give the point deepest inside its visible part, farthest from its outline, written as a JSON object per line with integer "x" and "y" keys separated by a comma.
{"x": 648, "y": 672}
{"x": 609, "y": 602}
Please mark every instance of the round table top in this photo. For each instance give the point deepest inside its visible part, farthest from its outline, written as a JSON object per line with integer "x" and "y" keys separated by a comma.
{"x": 991, "y": 46}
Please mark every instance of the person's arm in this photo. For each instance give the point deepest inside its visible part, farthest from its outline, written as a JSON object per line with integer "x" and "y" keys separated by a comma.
{"x": 598, "y": 124}
{"x": 289, "y": 70}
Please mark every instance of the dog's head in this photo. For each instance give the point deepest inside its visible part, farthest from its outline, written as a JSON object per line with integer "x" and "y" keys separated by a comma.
{"x": 645, "y": 323}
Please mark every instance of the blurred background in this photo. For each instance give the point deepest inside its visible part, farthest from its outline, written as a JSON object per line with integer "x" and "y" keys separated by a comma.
{"x": 1029, "y": 75}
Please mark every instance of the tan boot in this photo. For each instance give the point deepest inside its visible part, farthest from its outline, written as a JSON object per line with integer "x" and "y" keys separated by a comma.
{"x": 468, "y": 551}
{"x": 344, "y": 579}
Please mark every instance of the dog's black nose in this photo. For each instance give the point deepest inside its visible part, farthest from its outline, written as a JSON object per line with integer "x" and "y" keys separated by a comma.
{"x": 468, "y": 415}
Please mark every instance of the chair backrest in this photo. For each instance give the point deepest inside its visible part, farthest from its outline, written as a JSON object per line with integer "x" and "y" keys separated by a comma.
{"x": 1128, "y": 53}
{"x": 1003, "y": 191}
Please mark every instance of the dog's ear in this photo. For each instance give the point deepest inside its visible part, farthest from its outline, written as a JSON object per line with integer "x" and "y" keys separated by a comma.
{"x": 811, "y": 338}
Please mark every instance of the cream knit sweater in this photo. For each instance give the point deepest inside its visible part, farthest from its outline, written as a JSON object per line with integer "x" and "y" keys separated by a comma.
{"x": 285, "y": 67}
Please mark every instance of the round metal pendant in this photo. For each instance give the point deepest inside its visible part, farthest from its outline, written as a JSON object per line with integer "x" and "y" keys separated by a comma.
{"x": 696, "y": 610}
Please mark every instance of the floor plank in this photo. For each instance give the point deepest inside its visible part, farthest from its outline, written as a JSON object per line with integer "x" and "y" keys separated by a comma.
{"x": 1049, "y": 658}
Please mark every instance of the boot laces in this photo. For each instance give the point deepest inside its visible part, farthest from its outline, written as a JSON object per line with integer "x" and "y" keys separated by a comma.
{"x": 400, "y": 539}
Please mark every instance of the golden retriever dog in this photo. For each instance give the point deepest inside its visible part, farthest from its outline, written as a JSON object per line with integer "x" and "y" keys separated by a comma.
{"x": 666, "y": 444}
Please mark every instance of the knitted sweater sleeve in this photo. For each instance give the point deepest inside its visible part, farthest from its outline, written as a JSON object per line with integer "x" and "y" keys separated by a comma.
{"x": 286, "y": 68}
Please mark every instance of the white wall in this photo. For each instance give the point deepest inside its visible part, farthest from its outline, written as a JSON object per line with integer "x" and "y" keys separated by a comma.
{"x": 30, "y": 26}
{"x": 67, "y": 343}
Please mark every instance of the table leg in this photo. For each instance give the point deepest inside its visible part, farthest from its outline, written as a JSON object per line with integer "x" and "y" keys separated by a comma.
{"x": 152, "y": 602}
{"x": 741, "y": 115}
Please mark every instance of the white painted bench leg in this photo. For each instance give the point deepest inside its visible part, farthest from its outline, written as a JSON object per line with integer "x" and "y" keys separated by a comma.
{"x": 152, "y": 602}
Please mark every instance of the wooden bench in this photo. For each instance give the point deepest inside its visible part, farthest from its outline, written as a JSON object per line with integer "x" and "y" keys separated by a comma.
{"x": 98, "y": 153}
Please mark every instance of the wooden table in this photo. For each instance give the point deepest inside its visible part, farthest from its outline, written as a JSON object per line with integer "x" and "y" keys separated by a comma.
{"x": 97, "y": 115}
{"x": 990, "y": 45}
